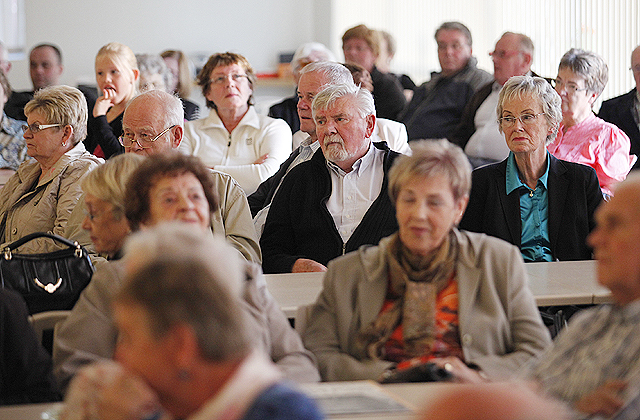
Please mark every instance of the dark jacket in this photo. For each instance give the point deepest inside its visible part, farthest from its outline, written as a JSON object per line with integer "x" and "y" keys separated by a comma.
{"x": 437, "y": 105}
{"x": 619, "y": 111}
{"x": 574, "y": 195}
{"x": 287, "y": 110}
{"x": 300, "y": 226}
{"x": 388, "y": 95}
{"x": 264, "y": 194}
{"x": 25, "y": 366}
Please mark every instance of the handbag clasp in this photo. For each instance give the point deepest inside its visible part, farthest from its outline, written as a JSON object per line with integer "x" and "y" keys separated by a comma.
{"x": 50, "y": 287}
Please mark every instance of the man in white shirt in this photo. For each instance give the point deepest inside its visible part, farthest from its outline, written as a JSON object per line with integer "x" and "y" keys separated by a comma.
{"x": 337, "y": 200}
{"x": 477, "y": 133}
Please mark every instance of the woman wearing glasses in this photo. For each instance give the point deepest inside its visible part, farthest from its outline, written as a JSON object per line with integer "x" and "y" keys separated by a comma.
{"x": 533, "y": 200}
{"x": 234, "y": 139}
{"x": 40, "y": 196}
{"x": 583, "y": 137}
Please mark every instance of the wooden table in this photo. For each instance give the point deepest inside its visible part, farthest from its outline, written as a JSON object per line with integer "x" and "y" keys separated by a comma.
{"x": 552, "y": 284}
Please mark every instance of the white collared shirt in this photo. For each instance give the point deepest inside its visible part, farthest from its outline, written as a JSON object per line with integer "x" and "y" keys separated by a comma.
{"x": 353, "y": 193}
{"x": 487, "y": 142}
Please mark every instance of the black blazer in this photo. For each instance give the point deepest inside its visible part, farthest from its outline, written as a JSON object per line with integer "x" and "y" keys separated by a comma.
{"x": 618, "y": 111}
{"x": 574, "y": 195}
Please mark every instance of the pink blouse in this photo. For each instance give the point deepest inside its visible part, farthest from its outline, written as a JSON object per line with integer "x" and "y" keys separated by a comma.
{"x": 599, "y": 144}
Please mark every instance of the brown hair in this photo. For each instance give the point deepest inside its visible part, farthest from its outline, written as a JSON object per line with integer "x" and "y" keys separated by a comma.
{"x": 371, "y": 37}
{"x": 155, "y": 167}
{"x": 224, "y": 59}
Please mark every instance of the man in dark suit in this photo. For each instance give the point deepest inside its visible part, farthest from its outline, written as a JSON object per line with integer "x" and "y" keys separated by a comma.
{"x": 624, "y": 110}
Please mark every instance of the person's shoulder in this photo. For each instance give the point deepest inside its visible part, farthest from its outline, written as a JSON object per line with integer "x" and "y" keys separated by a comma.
{"x": 618, "y": 100}
{"x": 282, "y": 402}
{"x": 475, "y": 247}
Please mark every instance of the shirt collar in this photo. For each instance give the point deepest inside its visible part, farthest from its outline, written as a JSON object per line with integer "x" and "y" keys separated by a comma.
{"x": 513, "y": 179}
{"x": 359, "y": 166}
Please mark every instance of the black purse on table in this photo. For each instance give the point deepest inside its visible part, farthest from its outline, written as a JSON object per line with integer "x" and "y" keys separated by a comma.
{"x": 49, "y": 281}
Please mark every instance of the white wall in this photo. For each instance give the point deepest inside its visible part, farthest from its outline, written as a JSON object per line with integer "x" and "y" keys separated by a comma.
{"x": 258, "y": 29}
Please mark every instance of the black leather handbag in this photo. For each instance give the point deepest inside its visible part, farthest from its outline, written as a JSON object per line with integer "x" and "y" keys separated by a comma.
{"x": 49, "y": 281}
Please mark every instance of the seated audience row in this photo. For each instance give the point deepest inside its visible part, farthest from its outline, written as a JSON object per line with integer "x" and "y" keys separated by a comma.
{"x": 13, "y": 149}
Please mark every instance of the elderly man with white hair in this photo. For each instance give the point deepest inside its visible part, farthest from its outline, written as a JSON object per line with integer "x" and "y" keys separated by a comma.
{"x": 336, "y": 201}
{"x": 310, "y": 52}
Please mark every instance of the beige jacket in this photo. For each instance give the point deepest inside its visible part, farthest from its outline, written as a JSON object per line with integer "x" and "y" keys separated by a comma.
{"x": 500, "y": 326}
{"x": 46, "y": 207}
{"x": 89, "y": 333}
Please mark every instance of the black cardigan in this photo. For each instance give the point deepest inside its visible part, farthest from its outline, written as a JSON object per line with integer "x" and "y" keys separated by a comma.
{"x": 300, "y": 226}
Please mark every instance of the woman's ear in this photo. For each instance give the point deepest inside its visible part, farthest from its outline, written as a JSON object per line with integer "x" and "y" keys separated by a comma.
{"x": 67, "y": 134}
{"x": 461, "y": 206}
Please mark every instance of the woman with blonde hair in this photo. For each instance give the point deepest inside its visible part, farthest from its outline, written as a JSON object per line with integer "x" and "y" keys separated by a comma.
{"x": 117, "y": 78}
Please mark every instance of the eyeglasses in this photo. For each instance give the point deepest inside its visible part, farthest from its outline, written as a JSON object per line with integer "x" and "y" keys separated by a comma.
{"x": 94, "y": 216}
{"x": 223, "y": 79}
{"x": 570, "y": 87}
{"x": 635, "y": 70}
{"x": 36, "y": 128}
{"x": 145, "y": 141}
{"x": 525, "y": 119}
{"x": 503, "y": 53}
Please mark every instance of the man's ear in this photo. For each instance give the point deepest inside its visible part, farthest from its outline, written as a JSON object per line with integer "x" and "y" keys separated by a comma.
{"x": 371, "y": 125}
{"x": 177, "y": 136}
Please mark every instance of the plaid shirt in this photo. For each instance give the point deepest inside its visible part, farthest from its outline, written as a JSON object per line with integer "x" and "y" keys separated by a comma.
{"x": 600, "y": 344}
{"x": 13, "y": 148}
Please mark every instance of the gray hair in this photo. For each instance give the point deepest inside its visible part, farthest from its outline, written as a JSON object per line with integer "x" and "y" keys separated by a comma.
{"x": 334, "y": 73}
{"x": 455, "y": 26}
{"x": 312, "y": 52}
{"x": 64, "y": 105}
{"x": 207, "y": 299}
{"x": 538, "y": 88}
{"x": 588, "y": 65}
{"x": 107, "y": 182}
{"x": 430, "y": 157}
{"x": 172, "y": 109}
{"x": 150, "y": 64}
{"x": 363, "y": 100}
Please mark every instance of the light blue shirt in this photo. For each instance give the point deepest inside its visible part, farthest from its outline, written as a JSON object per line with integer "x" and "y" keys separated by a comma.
{"x": 534, "y": 213}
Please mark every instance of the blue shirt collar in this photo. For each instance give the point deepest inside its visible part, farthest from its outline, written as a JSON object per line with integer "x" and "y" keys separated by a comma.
{"x": 513, "y": 179}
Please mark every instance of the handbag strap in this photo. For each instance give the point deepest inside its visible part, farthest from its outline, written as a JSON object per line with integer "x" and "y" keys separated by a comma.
{"x": 35, "y": 235}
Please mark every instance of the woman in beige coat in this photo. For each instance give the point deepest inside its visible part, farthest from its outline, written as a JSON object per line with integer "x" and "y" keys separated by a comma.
{"x": 40, "y": 196}
{"x": 429, "y": 293}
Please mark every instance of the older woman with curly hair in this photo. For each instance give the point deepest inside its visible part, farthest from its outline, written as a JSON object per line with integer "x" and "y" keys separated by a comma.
{"x": 40, "y": 196}
{"x": 234, "y": 139}
{"x": 543, "y": 205}
{"x": 583, "y": 137}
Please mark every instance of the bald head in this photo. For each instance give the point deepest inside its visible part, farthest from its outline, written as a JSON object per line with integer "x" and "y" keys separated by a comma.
{"x": 493, "y": 401}
{"x": 148, "y": 115}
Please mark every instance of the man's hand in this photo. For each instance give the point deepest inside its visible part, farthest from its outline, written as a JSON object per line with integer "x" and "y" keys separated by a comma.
{"x": 304, "y": 265}
{"x": 605, "y": 400}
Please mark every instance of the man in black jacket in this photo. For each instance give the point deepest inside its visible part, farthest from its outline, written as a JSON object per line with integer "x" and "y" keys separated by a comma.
{"x": 338, "y": 200}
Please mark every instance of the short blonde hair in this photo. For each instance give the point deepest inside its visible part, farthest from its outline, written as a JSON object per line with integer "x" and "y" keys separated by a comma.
{"x": 108, "y": 181}
{"x": 63, "y": 105}
{"x": 430, "y": 157}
